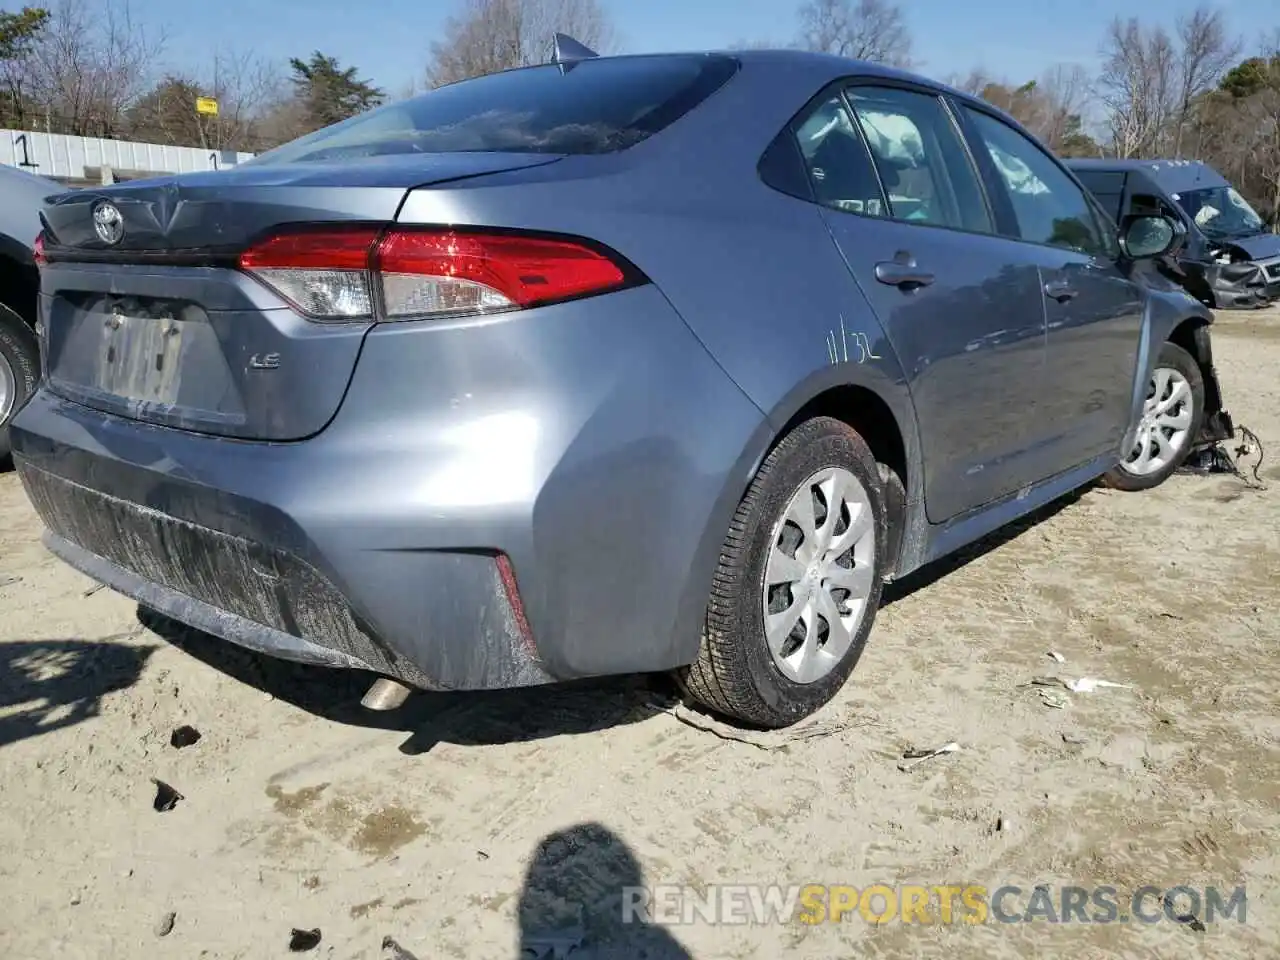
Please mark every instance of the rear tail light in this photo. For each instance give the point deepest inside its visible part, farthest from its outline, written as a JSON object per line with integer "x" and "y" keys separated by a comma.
{"x": 37, "y": 250}
{"x": 336, "y": 273}
{"x": 325, "y": 274}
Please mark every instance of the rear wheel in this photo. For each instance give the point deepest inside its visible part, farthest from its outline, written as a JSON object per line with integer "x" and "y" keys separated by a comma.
{"x": 1172, "y": 416}
{"x": 798, "y": 582}
{"x": 19, "y": 370}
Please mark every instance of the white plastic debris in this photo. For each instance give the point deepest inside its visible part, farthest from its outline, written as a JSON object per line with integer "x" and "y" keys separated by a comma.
{"x": 1090, "y": 684}
{"x": 1051, "y": 698}
{"x": 1055, "y": 655}
{"x": 913, "y": 757}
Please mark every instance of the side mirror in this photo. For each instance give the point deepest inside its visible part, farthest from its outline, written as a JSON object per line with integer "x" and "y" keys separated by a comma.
{"x": 1145, "y": 237}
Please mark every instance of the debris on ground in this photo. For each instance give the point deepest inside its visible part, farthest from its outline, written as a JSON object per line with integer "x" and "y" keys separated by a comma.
{"x": 394, "y": 951}
{"x": 302, "y": 940}
{"x": 166, "y": 796}
{"x": 94, "y": 589}
{"x": 1082, "y": 685}
{"x": 1052, "y": 698}
{"x": 1055, "y": 655}
{"x": 1216, "y": 459}
{"x": 1044, "y": 682}
{"x": 811, "y": 729}
{"x": 164, "y": 926}
{"x": 1074, "y": 739}
{"x": 5, "y": 581}
{"x": 913, "y": 757}
{"x": 184, "y": 736}
{"x": 482, "y": 855}
{"x": 1090, "y": 684}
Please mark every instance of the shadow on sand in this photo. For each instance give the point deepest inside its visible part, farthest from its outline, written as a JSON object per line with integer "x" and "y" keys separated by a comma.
{"x": 472, "y": 718}
{"x": 48, "y": 685}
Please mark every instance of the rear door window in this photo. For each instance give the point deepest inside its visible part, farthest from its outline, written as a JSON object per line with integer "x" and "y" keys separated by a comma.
{"x": 594, "y": 106}
{"x": 839, "y": 166}
{"x": 921, "y": 159}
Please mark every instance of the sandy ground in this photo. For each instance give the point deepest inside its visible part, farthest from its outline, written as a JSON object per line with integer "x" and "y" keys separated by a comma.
{"x": 442, "y": 826}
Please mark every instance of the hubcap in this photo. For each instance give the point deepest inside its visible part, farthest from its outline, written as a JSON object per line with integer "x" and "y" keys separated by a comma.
{"x": 818, "y": 576}
{"x": 1165, "y": 427}
{"x": 8, "y": 389}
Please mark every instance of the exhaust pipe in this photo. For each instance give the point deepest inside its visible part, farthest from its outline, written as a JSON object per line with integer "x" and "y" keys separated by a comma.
{"x": 385, "y": 695}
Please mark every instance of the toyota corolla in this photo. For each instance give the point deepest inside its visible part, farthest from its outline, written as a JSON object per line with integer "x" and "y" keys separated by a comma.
{"x": 608, "y": 365}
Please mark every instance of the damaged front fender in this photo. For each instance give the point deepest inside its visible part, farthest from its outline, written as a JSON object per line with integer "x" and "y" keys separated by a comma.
{"x": 1172, "y": 317}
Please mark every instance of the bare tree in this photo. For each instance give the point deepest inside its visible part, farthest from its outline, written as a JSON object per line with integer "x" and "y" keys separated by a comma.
{"x": 245, "y": 86}
{"x": 89, "y": 64}
{"x": 1205, "y": 54}
{"x": 1052, "y": 106}
{"x": 1065, "y": 94}
{"x": 493, "y": 35}
{"x": 972, "y": 83}
{"x": 874, "y": 30}
{"x": 1137, "y": 85}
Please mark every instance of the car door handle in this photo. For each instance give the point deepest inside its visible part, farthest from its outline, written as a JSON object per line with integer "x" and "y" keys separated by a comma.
{"x": 902, "y": 272}
{"x": 1060, "y": 290}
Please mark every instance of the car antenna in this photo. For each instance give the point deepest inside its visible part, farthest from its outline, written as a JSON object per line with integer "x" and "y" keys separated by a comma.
{"x": 567, "y": 52}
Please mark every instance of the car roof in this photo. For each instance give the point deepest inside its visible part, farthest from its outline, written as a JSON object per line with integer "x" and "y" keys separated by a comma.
{"x": 836, "y": 66}
{"x": 822, "y": 67}
{"x": 1171, "y": 175}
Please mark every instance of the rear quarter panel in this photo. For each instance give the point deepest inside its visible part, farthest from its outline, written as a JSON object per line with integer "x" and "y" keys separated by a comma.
{"x": 753, "y": 272}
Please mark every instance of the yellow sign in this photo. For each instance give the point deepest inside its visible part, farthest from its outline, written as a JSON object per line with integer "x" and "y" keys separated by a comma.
{"x": 207, "y": 105}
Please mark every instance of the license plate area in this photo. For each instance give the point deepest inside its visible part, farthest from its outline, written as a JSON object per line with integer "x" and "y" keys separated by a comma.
{"x": 136, "y": 355}
{"x": 141, "y": 354}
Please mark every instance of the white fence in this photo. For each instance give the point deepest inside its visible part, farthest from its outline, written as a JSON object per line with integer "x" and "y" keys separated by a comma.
{"x": 81, "y": 159}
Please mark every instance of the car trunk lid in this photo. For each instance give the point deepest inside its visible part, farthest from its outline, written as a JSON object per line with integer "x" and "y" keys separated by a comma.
{"x": 146, "y": 314}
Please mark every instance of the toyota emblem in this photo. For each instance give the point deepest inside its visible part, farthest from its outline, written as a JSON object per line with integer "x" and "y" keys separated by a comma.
{"x": 108, "y": 222}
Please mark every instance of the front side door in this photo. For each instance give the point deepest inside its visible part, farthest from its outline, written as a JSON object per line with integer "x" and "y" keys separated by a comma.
{"x": 1094, "y": 309}
{"x": 961, "y": 305}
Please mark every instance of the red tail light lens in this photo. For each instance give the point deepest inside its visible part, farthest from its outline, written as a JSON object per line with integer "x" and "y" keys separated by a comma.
{"x": 433, "y": 272}
{"x": 330, "y": 274}
{"x": 37, "y": 250}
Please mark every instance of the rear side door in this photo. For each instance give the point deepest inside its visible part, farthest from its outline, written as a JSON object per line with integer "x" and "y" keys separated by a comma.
{"x": 1094, "y": 309}
{"x": 960, "y": 304}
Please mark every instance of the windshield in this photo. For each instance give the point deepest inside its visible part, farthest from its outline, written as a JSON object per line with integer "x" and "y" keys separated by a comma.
{"x": 592, "y": 106}
{"x": 1221, "y": 212}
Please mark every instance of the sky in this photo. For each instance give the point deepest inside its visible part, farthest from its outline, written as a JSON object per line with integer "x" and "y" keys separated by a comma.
{"x": 389, "y": 41}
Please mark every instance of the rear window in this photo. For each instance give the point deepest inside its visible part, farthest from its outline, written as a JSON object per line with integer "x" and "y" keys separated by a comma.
{"x": 592, "y": 106}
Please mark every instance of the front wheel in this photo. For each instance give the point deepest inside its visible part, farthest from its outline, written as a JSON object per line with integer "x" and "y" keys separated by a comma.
{"x": 798, "y": 582}
{"x": 1171, "y": 420}
{"x": 19, "y": 370}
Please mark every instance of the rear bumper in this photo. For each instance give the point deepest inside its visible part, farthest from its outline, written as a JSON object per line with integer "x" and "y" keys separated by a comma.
{"x": 495, "y": 504}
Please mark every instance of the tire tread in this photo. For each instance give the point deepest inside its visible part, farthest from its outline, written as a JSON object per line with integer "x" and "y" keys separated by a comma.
{"x": 719, "y": 678}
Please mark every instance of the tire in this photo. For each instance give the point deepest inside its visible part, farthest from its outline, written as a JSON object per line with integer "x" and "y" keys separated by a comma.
{"x": 19, "y": 371}
{"x": 1175, "y": 371}
{"x": 736, "y": 673}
